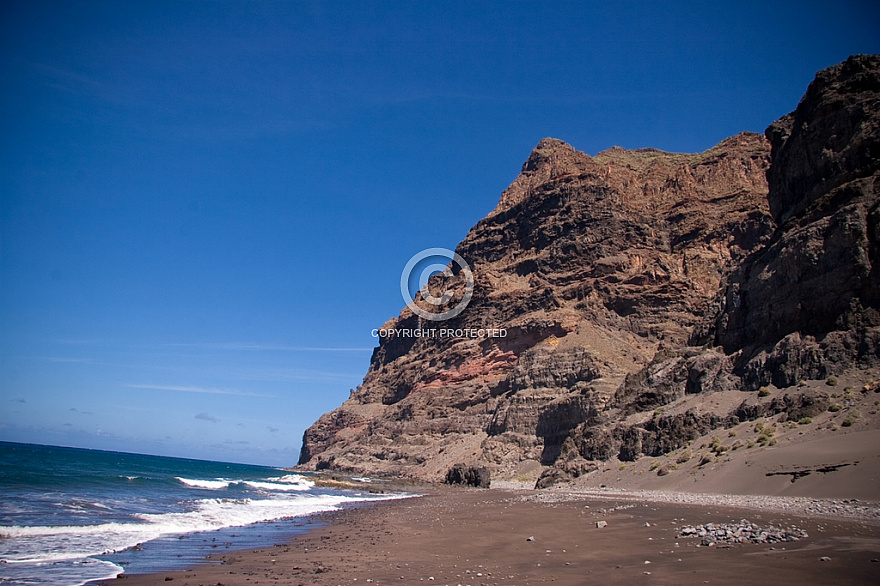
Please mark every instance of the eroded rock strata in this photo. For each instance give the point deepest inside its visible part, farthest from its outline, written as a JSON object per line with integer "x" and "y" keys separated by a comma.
{"x": 628, "y": 281}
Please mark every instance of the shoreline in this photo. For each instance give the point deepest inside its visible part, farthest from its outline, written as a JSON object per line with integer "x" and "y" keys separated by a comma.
{"x": 472, "y": 536}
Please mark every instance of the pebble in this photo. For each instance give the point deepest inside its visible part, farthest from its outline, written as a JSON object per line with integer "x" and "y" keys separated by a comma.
{"x": 742, "y": 532}
{"x": 842, "y": 508}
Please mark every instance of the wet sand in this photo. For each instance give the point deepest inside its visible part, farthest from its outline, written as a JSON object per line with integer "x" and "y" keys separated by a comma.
{"x": 451, "y": 536}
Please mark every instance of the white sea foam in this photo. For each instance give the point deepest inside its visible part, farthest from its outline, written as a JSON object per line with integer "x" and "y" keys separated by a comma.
{"x": 52, "y": 543}
{"x": 287, "y": 482}
{"x": 293, "y": 479}
{"x": 279, "y": 485}
{"x": 209, "y": 484}
{"x": 64, "y": 573}
{"x": 85, "y": 506}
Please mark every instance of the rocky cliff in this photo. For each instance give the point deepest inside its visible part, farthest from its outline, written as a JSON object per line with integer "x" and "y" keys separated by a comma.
{"x": 630, "y": 282}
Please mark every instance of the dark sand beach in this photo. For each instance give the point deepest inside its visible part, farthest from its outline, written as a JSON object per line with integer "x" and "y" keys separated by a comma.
{"x": 469, "y": 536}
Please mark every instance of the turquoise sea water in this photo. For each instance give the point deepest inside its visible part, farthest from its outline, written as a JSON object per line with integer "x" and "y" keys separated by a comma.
{"x": 69, "y": 515}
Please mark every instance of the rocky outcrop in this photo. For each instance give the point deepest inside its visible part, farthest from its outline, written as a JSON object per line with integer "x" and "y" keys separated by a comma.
{"x": 627, "y": 282}
{"x": 476, "y": 476}
{"x": 805, "y": 305}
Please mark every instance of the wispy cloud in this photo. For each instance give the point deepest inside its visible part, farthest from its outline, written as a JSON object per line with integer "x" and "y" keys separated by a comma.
{"x": 207, "y": 417}
{"x": 190, "y": 389}
{"x": 269, "y": 374}
{"x": 79, "y": 341}
{"x": 83, "y": 360}
{"x": 72, "y": 360}
{"x": 251, "y": 346}
{"x": 69, "y": 80}
{"x": 257, "y": 347}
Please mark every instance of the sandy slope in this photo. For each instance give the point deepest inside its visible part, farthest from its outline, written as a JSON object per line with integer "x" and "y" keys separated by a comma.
{"x": 745, "y": 471}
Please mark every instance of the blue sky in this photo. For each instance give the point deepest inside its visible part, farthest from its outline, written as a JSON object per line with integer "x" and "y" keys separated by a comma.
{"x": 205, "y": 206}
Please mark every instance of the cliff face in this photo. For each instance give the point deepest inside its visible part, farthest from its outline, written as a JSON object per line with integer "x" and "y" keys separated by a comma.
{"x": 628, "y": 281}
{"x": 813, "y": 292}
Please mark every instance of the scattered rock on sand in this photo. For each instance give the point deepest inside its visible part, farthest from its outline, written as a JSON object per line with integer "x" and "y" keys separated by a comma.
{"x": 742, "y": 532}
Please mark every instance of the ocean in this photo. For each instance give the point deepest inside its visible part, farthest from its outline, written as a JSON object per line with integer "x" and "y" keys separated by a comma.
{"x": 70, "y": 515}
